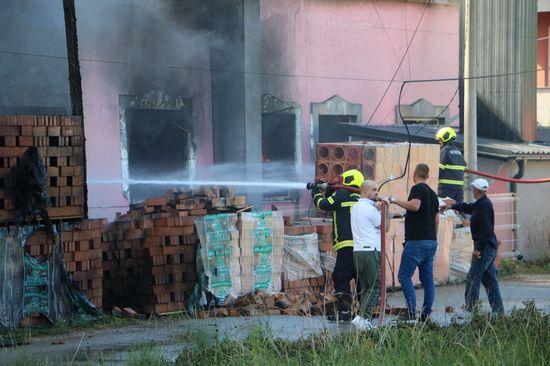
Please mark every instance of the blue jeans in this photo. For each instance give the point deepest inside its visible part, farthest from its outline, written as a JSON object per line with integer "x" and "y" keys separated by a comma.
{"x": 483, "y": 271}
{"x": 418, "y": 253}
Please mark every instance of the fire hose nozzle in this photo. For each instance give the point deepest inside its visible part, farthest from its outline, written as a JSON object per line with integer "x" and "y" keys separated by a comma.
{"x": 322, "y": 185}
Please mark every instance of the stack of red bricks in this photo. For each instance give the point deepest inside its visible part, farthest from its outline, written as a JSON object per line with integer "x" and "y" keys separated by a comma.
{"x": 318, "y": 285}
{"x": 83, "y": 254}
{"x": 150, "y": 252}
{"x": 60, "y": 142}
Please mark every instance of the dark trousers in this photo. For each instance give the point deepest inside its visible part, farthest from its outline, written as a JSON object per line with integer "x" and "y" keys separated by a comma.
{"x": 367, "y": 265}
{"x": 344, "y": 272}
{"x": 483, "y": 271}
{"x": 451, "y": 191}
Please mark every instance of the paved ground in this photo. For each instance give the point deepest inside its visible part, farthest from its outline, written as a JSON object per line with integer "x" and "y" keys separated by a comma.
{"x": 167, "y": 336}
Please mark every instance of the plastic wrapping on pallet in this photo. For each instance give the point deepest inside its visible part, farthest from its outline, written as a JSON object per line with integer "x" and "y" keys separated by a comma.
{"x": 220, "y": 254}
{"x": 301, "y": 257}
{"x": 238, "y": 255}
{"x": 261, "y": 244}
{"x": 30, "y": 286}
{"x": 460, "y": 254}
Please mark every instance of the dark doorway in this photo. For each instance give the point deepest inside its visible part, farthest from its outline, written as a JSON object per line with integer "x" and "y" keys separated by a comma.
{"x": 330, "y": 131}
{"x": 160, "y": 147}
{"x": 278, "y": 151}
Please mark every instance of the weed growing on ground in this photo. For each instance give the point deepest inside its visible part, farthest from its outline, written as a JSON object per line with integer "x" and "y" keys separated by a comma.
{"x": 24, "y": 334}
{"x": 510, "y": 268}
{"x": 147, "y": 356}
{"x": 521, "y": 338}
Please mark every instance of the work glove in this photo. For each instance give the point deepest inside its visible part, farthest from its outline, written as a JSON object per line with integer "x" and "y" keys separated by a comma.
{"x": 316, "y": 189}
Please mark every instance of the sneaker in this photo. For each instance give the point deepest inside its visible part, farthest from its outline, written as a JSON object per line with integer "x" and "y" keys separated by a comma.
{"x": 362, "y": 323}
{"x": 340, "y": 316}
{"x": 406, "y": 319}
{"x": 424, "y": 318}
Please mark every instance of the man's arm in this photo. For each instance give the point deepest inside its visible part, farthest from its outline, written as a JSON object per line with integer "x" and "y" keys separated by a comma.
{"x": 467, "y": 208}
{"x": 411, "y": 205}
{"x": 436, "y": 223}
{"x": 329, "y": 203}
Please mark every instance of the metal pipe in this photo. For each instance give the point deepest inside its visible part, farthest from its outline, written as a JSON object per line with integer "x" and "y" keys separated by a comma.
{"x": 382, "y": 306}
{"x": 470, "y": 97}
{"x": 513, "y": 189}
{"x": 506, "y": 179}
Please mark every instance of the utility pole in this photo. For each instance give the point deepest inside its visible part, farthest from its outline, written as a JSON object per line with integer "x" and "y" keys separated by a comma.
{"x": 470, "y": 94}
{"x": 75, "y": 85}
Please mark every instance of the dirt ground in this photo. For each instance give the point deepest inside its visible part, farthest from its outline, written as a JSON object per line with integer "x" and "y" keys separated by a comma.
{"x": 113, "y": 346}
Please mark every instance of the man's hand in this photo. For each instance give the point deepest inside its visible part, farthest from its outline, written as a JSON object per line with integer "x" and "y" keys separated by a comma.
{"x": 476, "y": 254}
{"x": 449, "y": 201}
{"x": 386, "y": 200}
{"x": 445, "y": 208}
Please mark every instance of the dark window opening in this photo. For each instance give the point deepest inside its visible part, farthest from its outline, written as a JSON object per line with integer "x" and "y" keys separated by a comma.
{"x": 330, "y": 130}
{"x": 278, "y": 150}
{"x": 159, "y": 148}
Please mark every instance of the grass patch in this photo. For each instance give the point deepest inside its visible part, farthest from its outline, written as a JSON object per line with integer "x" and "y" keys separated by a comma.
{"x": 511, "y": 268}
{"x": 521, "y": 338}
{"x": 146, "y": 356}
{"x": 25, "y": 334}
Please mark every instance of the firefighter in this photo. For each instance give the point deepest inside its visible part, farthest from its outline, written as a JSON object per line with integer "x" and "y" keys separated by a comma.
{"x": 340, "y": 203}
{"x": 451, "y": 166}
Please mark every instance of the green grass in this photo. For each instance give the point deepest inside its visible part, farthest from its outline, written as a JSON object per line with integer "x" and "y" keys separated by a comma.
{"x": 146, "y": 356}
{"x": 519, "y": 339}
{"x": 25, "y": 334}
{"x": 511, "y": 268}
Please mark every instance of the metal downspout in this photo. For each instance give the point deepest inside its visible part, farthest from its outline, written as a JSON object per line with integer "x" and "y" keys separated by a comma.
{"x": 513, "y": 189}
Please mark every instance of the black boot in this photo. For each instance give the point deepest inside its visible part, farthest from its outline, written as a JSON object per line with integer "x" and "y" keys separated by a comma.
{"x": 343, "y": 306}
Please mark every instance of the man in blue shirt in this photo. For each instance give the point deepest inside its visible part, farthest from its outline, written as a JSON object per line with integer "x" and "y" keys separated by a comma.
{"x": 482, "y": 270}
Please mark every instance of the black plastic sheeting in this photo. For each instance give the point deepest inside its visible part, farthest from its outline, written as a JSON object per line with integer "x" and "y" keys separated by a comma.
{"x": 29, "y": 286}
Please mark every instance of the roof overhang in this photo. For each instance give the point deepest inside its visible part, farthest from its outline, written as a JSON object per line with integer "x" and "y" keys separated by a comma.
{"x": 489, "y": 148}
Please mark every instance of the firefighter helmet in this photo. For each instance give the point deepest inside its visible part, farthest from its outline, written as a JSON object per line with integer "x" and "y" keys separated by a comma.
{"x": 445, "y": 134}
{"x": 352, "y": 177}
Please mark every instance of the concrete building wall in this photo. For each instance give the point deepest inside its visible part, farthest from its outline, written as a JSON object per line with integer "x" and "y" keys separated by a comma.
{"x": 543, "y": 106}
{"x": 543, "y": 91}
{"x": 134, "y": 47}
{"x": 534, "y": 218}
{"x": 33, "y": 58}
{"x": 313, "y": 50}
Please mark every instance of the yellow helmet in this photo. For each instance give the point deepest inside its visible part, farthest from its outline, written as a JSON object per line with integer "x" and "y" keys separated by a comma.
{"x": 352, "y": 177}
{"x": 445, "y": 134}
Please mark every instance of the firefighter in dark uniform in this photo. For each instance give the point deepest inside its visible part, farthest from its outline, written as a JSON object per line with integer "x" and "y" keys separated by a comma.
{"x": 340, "y": 203}
{"x": 451, "y": 166}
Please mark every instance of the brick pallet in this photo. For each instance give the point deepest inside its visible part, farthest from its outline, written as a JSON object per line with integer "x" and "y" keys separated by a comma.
{"x": 83, "y": 255}
{"x": 319, "y": 285}
{"x": 379, "y": 162}
{"x": 149, "y": 253}
{"x": 60, "y": 142}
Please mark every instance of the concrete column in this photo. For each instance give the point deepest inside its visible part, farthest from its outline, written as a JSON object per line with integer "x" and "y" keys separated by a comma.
{"x": 236, "y": 87}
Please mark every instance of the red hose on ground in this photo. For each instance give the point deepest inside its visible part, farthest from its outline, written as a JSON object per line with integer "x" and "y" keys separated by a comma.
{"x": 506, "y": 179}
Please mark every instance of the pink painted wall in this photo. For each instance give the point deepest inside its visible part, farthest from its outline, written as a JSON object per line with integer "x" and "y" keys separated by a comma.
{"x": 312, "y": 49}
{"x": 116, "y": 56}
{"x": 315, "y": 49}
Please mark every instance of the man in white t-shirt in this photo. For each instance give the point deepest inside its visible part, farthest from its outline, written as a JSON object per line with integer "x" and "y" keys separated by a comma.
{"x": 365, "y": 226}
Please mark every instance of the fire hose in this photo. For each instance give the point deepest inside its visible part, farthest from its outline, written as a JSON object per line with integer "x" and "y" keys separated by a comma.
{"x": 506, "y": 179}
